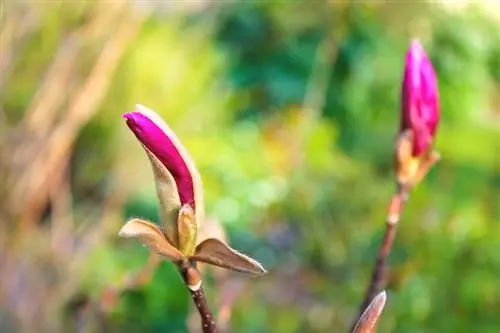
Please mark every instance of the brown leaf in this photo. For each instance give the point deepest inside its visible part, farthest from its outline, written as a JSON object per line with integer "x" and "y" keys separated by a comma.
{"x": 368, "y": 320}
{"x": 152, "y": 237}
{"x": 187, "y": 231}
{"x": 168, "y": 197}
{"x": 212, "y": 228}
{"x": 213, "y": 251}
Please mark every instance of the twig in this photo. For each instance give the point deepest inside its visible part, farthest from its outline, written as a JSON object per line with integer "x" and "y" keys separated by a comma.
{"x": 82, "y": 107}
{"x": 54, "y": 88}
{"x": 198, "y": 295}
{"x": 409, "y": 172}
{"x": 227, "y": 288}
{"x": 16, "y": 30}
{"x": 380, "y": 269}
{"x": 207, "y": 319}
{"x": 62, "y": 214}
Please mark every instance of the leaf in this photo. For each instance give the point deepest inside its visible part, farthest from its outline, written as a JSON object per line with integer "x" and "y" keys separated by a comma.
{"x": 212, "y": 228}
{"x": 152, "y": 237}
{"x": 213, "y": 251}
{"x": 168, "y": 197}
{"x": 368, "y": 320}
{"x": 188, "y": 230}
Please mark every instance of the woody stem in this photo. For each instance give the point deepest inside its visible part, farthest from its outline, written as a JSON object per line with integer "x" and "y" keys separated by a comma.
{"x": 198, "y": 296}
{"x": 380, "y": 269}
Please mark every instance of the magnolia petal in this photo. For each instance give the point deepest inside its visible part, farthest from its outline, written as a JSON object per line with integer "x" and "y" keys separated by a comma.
{"x": 369, "y": 318}
{"x": 213, "y": 251}
{"x": 151, "y": 236}
{"x": 168, "y": 196}
{"x": 188, "y": 230}
{"x": 184, "y": 154}
{"x": 155, "y": 134}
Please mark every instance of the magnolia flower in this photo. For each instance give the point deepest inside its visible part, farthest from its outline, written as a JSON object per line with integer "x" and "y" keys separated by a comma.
{"x": 420, "y": 99}
{"x": 179, "y": 190}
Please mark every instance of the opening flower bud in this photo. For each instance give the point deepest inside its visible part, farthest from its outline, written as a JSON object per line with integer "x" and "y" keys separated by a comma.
{"x": 156, "y": 136}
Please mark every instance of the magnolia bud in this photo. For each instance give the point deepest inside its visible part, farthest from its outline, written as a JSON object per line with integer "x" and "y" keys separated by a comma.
{"x": 420, "y": 99}
{"x": 154, "y": 134}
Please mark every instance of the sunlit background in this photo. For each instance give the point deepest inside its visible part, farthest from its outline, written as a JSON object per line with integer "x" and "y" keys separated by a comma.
{"x": 289, "y": 109}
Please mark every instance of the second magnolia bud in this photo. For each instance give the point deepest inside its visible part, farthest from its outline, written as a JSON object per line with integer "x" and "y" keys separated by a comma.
{"x": 419, "y": 99}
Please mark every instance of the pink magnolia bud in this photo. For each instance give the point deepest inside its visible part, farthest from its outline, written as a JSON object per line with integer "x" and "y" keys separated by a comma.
{"x": 161, "y": 141}
{"x": 420, "y": 99}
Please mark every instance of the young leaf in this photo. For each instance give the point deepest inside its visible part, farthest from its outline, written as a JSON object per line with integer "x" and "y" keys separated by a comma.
{"x": 188, "y": 230}
{"x": 368, "y": 320}
{"x": 168, "y": 197}
{"x": 212, "y": 228}
{"x": 213, "y": 251}
{"x": 152, "y": 237}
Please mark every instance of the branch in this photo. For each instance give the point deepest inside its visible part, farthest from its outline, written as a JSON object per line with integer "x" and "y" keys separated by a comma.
{"x": 30, "y": 189}
{"x": 380, "y": 269}
{"x": 410, "y": 170}
{"x": 193, "y": 281}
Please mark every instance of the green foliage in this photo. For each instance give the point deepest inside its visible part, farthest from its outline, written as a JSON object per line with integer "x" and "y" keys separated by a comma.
{"x": 143, "y": 310}
{"x": 303, "y": 192}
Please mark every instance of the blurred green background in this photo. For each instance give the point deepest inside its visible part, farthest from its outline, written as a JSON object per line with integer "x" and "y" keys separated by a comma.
{"x": 289, "y": 109}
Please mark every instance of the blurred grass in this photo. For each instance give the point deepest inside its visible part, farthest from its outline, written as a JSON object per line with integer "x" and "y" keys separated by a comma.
{"x": 293, "y": 144}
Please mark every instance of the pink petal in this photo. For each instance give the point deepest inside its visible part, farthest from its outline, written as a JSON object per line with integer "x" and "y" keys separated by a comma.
{"x": 155, "y": 135}
{"x": 420, "y": 98}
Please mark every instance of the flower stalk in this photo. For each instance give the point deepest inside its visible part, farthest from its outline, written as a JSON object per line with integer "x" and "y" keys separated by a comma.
{"x": 192, "y": 278}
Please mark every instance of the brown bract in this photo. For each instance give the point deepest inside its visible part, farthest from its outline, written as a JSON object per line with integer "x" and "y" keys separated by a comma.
{"x": 369, "y": 318}
{"x": 410, "y": 170}
{"x": 210, "y": 251}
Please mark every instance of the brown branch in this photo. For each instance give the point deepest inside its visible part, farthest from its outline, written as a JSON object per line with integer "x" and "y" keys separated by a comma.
{"x": 192, "y": 279}
{"x": 54, "y": 88}
{"x": 226, "y": 292}
{"x": 18, "y": 27}
{"x": 62, "y": 214}
{"x": 410, "y": 170}
{"x": 207, "y": 320}
{"x": 378, "y": 279}
{"x": 82, "y": 107}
